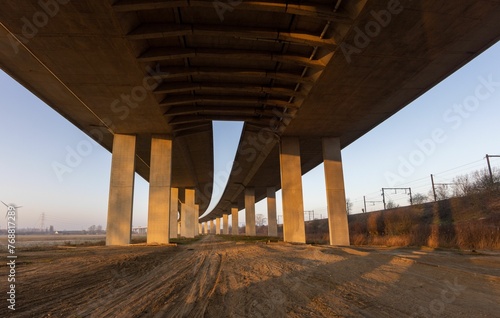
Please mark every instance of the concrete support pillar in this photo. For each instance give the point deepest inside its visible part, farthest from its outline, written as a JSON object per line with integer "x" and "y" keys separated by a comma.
{"x": 225, "y": 224}
{"x": 335, "y": 192}
{"x": 160, "y": 175}
{"x": 291, "y": 190}
{"x": 234, "y": 220}
{"x": 250, "y": 212}
{"x": 188, "y": 225}
{"x": 217, "y": 226}
{"x": 272, "y": 223}
{"x": 174, "y": 211}
{"x": 179, "y": 225}
{"x": 121, "y": 191}
{"x": 200, "y": 230}
{"x": 196, "y": 219}
{"x": 212, "y": 228}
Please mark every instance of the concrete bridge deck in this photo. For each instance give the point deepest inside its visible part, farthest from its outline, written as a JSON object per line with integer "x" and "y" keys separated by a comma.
{"x": 145, "y": 79}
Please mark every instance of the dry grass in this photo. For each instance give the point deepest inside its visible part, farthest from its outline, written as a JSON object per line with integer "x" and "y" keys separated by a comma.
{"x": 471, "y": 222}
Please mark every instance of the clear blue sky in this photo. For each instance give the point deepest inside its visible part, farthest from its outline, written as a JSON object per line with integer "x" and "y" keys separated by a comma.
{"x": 33, "y": 137}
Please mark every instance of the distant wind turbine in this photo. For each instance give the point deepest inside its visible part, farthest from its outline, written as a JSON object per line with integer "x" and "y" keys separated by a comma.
{"x": 10, "y": 207}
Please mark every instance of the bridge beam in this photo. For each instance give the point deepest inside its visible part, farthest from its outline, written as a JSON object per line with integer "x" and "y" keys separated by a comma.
{"x": 121, "y": 190}
{"x": 160, "y": 177}
{"x": 250, "y": 211}
{"x": 335, "y": 192}
{"x": 174, "y": 211}
{"x": 234, "y": 220}
{"x": 188, "y": 214}
{"x": 272, "y": 224}
{"x": 291, "y": 190}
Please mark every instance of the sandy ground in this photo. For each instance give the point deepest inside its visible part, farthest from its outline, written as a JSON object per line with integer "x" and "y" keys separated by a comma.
{"x": 218, "y": 278}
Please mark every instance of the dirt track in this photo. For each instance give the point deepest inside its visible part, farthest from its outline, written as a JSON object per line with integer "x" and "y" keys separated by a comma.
{"x": 217, "y": 278}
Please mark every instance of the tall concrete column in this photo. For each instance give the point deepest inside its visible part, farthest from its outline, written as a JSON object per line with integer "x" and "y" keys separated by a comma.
{"x": 174, "y": 211}
{"x": 234, "y": 220}
{"x": 160, "y": 175}
{"x": 200, "y": 230}
{"x": 196, "y": 221}
{"x": 225, "y": 224}
{"x": 188, "y": 214}
{"x": 335, "y": 192}
{"x": 291, "y": 191}
{"x": 272, "y": 223}
{"x": 121, "y": 191}
{"x": 212, "y": 228}
{"x": 250, "y": 211}
{"x": 217, "y": 226}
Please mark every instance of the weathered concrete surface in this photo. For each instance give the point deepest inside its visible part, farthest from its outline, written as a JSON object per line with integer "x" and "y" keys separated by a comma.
{"x": 121, "y": 191}
{"x": 291, "y": 191}
{"x": 234, "y": 221}
{"x": 160, "y": 190}
{"x": 335, "y": 192}
{"x": 188, "y": 224}
{"x": 174, "y": 211}
{"x": 250, "y": 211}
{"x": 271, "y": 212}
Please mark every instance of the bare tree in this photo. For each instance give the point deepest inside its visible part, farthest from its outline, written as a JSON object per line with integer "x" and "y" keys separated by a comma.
{"x": 442, "y": 192}
{"x": 391, "y": 205}
{"x": 462, "y": 186}
{"x": 259, "y": 219}
{"x": 419, "y": 198}
{"x": 348, "y": 206}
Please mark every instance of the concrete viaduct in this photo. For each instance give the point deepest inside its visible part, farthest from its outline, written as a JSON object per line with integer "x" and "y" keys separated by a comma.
{"x": 146, "y": 78}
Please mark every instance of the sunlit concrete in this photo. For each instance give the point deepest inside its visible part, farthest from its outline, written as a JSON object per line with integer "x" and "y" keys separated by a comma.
{"x": 217, "y": 226}
{"x": 250, "y": 211}
{"x": 160, "y": 175}
{"x": 225, "y": 224}
{"x": 196, "y": 217}
{"x": 272, "y": 223}
{"x": 121, "y": 190}
{"x": 188, "y": 214}
{"x": 335, "y": 192}
{"x": 291, "y": 191}
{"x": 174, "y": 211}
{"x": 212, "y": 227}
{"x": 200, "y": 230}
{"x": 234, "y": 220}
